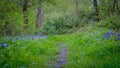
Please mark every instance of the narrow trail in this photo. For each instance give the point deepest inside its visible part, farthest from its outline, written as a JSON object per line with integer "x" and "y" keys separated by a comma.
{"x": 62, "y": 58}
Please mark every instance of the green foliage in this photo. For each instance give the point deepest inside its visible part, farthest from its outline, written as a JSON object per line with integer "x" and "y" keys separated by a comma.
{"x": 59, "y": 17}
{"x": 61, "y": 25}
{"x": 110, "y": 22}
{"x": 89, "y": 49}
{"x": 28, "y": 53}
{"x": 86, "y": 48}
{"x": 10, "y": 18}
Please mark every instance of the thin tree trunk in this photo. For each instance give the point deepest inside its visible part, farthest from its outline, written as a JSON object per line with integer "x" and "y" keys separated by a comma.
{"x": 39, "y": 15}
{"x": 95, "y": 4}
{"x": 96, "y": 7}
{"x": 109, "y": 10}
{"x": 25, "y": 6}
{"x": 76, "y": 3}
{"x": 115, "y": 7}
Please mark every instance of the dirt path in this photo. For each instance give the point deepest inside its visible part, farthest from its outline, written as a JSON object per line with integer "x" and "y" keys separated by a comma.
{"x": 62, "y": 57}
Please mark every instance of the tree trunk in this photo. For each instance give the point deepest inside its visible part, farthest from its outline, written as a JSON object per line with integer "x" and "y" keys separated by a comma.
{"x": 25, "y": 6}
{"x": 39, "y": 15}
{"x": 115, "y": 6}
{"x": 95, "y": 4}
{"x": 76, "y": 3}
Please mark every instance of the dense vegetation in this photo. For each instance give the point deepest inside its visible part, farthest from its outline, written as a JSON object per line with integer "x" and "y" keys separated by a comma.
{"x": 59, "y": 34}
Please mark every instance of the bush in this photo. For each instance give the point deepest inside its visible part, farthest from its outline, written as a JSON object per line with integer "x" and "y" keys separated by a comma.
{"x": 110, "y": 22}
{"x": 11, "y": 21}
{"x": 60, "y": 25}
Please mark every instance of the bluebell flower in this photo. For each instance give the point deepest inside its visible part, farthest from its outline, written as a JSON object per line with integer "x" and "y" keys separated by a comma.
{"x": 3, "y": 45}
{"x": 107, "y": 36}
{"x": 17, "y": 38}
{"x": 111, "y": 33}
{"x": 23, "y": 38}
{"x": 32, "y": 38}
{"x": 118, "y": 36}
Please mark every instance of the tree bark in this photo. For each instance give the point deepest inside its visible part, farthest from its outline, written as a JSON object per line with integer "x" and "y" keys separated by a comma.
{"x": 95, "y": 4}
{"x": 39, "y": 15}
{"x": 76, "y": 3}
{"x": 116, "y": 6}
{"x": 25, "y": 6}
{"x": 96, "y": 7}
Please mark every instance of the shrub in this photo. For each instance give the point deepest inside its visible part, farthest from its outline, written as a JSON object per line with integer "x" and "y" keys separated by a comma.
{"x": 110, "y": 22}
{"x": 60, "y": 25}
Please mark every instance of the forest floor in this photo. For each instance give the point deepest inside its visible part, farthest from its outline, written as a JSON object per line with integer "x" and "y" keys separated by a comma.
{"x": 78, "y": 50}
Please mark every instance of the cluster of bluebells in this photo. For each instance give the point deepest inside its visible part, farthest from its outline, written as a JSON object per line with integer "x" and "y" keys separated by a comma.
{"x": 14, "y": 39}
{"x": 110, "y": 34}
{"x": 38, "y": 36}
{"x": 3, "y": 45}
{"x": 30, "y": 37}
{"x": 118, "y": 36}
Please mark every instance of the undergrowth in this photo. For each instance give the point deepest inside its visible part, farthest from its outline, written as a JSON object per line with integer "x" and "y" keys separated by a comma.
{"x": 86, "y": 48}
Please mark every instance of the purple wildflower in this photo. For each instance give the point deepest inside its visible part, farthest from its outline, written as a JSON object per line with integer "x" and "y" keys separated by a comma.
{"x": 17, "y": 38}
{"x": 32, "y": 38}
{"x": 111, "y": 33}
{"x": 107, "y": 36}
{"x": 118, "y": 36}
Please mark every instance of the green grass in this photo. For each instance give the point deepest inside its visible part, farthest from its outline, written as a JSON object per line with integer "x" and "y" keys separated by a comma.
{"x": 37, "y": 53}
{"x": 94, "y": 54}
{"x": 90, "y": 50}
{"x": 86, "y": 49}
